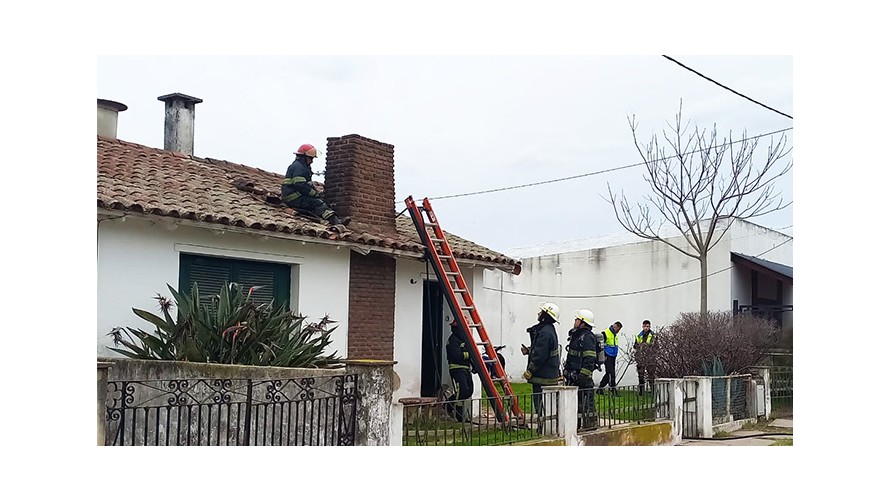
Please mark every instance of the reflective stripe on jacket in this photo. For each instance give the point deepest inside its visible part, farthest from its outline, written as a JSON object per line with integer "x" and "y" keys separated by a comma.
{"x": 297, "y": 181}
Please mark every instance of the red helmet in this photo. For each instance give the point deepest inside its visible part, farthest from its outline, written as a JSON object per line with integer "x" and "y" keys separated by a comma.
{"x": 308, "y": 150}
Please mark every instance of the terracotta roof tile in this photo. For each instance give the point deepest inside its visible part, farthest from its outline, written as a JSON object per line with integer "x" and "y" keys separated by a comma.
{"x": 136, "y": 178}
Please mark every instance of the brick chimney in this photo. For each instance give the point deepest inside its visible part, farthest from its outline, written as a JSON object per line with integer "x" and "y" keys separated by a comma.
{"x": 106, "y": 117}
{"x": 360, "y": 182}
{"x": 179, "y": 122}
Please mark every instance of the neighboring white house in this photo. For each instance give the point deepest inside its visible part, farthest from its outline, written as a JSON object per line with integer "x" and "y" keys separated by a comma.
{"x": 629, "y": 279}
{"x": 165, "y": 216}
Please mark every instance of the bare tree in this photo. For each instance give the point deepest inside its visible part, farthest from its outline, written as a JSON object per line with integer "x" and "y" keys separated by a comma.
{"x": 694, "y": 192}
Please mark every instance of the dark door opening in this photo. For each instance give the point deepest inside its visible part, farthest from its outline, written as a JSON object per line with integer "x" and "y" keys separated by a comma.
{"x": 431, "y": 352}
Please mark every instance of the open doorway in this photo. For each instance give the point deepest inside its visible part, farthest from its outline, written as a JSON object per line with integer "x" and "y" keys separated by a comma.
{"x": 431, "y": 351}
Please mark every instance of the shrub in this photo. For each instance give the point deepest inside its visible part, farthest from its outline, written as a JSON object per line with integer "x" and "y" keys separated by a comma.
{"x": 230, "y": 328}
{"x": 697, "y": 345}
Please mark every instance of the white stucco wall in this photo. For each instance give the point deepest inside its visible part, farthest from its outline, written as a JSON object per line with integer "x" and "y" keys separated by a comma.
{"x": 408, "y": 336}
{"x": 138, "y": 258}
{"x": 615, "y": 282}
{"x": 408, "y": 340}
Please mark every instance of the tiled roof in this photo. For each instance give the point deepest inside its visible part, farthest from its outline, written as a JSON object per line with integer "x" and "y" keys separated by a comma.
{"x": 143, "y": 180}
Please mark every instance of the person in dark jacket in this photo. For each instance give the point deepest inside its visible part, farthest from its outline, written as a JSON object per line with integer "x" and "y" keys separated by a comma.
{"x": 298, "y": 192}
{"x": 543, "y": 354}
{"x": 581, "y": 361}
{"x": 459, "y": 368}
{"x": 644, "y": 341}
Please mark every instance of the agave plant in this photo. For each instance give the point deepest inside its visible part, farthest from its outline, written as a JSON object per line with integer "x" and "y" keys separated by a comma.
{"x": 228, "y": 328}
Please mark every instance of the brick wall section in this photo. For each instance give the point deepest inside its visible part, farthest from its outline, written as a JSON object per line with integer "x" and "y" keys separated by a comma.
{"x": 372, "y": 306}
{"x": 360, "y": 182}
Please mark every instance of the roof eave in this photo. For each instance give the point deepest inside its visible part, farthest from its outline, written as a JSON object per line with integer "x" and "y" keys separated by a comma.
{"x": 358, "y": 247}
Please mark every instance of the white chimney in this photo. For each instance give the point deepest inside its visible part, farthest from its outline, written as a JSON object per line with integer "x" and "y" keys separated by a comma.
{"x": 106, "y": 117}
{"x": 179, "y": 122}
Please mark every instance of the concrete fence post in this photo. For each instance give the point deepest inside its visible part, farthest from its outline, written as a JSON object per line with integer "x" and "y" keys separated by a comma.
{"x": 101, "y": 391}
{"x": 764, "y": 374}
{"x": 396, "y": 423}
{"x": 374, "y": 400}
{"x": 704, "y": 425}
{"x": 565, "y": 398}
{"x": 675, "y": 407}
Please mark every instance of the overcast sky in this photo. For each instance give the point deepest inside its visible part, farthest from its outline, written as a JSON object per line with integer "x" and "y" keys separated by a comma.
{"x": 462, "y": 123}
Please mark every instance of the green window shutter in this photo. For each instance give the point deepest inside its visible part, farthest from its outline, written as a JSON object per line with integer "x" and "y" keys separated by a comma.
{"x": 210, "y": 273}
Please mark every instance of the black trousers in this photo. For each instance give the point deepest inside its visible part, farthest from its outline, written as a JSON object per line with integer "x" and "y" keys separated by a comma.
{"x": 645, "y": 375}
{"x": 538, "y": 398}
{"x": 313, "y": 205}
{"x": 458, "y": 406}
{"x": 586, "y": 405}
{"x": 609, "y": 376}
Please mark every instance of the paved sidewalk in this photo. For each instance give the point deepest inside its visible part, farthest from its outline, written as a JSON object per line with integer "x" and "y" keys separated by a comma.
{"x": 750, "y": 437}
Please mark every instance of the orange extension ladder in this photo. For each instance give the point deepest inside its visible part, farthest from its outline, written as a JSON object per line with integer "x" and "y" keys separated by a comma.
{"x": 459, "y": 299}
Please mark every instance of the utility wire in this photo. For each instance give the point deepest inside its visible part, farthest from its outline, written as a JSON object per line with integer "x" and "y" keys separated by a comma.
{"x": 633, "y": 292}
{"x": 577, "y": 176}
{"x": 725, "y": 87}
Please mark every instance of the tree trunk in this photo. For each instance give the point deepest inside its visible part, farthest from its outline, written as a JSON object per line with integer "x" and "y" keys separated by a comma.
{"x": 703, "y": 261}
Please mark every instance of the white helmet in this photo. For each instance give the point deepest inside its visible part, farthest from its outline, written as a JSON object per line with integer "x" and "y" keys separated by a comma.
{"x": 551, "y": 309}
{"x": 585, "y": 316}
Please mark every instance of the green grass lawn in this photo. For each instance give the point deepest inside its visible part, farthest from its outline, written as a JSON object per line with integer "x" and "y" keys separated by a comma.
{"x": 468, "y": 435}
{"x": 627, "y": 405}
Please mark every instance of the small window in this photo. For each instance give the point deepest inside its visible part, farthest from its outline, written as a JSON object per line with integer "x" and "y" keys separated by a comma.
{"x": 210, "y": 273}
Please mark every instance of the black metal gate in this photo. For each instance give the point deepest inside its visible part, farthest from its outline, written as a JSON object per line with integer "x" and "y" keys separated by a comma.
{"x": 781, "y": 388}
{"x": 302, "y": 411}
{"x": 690, "y": 408}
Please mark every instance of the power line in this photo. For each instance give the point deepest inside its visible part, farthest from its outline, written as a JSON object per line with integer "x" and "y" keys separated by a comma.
{"x": 727, "y": 88}
{"x": 577, "y": 176}
{"x": 633, "y": 292}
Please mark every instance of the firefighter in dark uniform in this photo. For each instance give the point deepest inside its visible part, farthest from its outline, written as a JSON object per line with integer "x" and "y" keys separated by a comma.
{"x": 298, "y": 192}
{"x": 459, "y": 368}
{"x": 581, "y": 361}
{"x": 543, "y": 354}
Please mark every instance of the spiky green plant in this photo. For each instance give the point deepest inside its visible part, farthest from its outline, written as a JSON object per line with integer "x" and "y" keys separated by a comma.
{"x": 230, "y": 328}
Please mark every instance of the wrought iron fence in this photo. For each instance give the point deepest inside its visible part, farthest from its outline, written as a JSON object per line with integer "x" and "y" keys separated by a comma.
{"x": 473, "y": 421}
{"x": 781, "y": 390}
{"x": 599, "y": 408}
{"x": 303, "y": 411}
{"x": 729, "y": 398}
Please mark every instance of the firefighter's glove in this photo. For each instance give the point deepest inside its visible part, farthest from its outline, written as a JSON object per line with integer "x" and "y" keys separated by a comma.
{"x": 524, "y": 349}
{"x": 597, "y": 368}
{"x": 560, "y": 380}
{"x": 527, "y": 375}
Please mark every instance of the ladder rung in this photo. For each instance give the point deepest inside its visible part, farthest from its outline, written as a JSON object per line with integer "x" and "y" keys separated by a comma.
{"x": 452, "y": 273}
{"x": 460, "y": 291}
{"x": 485, "y": 343}
{"x": 437, "y": 239}
{"x": 475, "y": 325}
{"x": 490, "y": 361}
{"x": 442, "y": 256}
{"x": 468, "y": 307}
